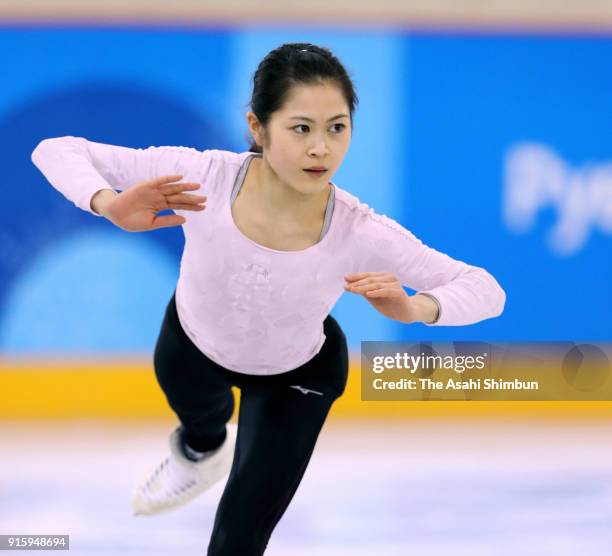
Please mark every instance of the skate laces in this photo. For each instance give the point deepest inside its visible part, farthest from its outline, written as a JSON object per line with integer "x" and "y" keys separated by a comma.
{"x": 173, "y": 476}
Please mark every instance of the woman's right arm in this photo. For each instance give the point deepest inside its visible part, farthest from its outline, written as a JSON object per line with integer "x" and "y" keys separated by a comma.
{"x": 88, "y": 173}
{"x": 101, "y": 200}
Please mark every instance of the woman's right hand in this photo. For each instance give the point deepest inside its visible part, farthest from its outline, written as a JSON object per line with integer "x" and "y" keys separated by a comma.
{"x": 136, "y": 208}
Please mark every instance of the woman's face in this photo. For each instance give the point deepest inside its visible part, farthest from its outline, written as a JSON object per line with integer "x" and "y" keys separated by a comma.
{"x": 312, "y": 129}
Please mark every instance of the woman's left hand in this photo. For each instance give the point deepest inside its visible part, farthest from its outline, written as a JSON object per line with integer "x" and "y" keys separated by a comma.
{"x": 384, "y": 292}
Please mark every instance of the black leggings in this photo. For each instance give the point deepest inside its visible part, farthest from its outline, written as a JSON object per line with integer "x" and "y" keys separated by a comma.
{"x": 278, "y": 424}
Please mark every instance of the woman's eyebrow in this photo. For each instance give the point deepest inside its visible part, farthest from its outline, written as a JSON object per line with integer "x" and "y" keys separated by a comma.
{"x": 310, "y": 120}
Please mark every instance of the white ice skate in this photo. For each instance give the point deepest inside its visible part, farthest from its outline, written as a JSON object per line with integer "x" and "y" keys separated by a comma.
{"x": 177, "y": 479}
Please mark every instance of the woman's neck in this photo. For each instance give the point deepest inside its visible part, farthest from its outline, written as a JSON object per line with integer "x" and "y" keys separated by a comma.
{"x": 277, "y": 200}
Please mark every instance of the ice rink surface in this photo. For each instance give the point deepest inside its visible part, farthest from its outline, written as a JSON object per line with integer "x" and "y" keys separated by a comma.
{"x": 392, "y": 488}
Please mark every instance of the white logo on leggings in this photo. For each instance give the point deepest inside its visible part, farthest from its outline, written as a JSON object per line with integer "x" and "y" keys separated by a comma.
{"x": 305, "y": 390}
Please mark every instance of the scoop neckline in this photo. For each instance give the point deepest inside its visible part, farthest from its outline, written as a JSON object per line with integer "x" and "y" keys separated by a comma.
{"x": 247, "y": 161}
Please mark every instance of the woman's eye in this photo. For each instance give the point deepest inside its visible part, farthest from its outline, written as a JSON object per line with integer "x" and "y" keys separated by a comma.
{"x": 339, "y": 126}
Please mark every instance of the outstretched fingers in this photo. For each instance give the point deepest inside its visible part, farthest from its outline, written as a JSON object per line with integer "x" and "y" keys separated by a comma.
{"x": 390, "y": 291}
{"x": 168, "y": 188}
{"x": 163, "y": 180}
{"x": 373, "y": 284}
{"x": 369, "y": 278}
{"x": 182, "y": 206}
{"x": 185, "y": 199}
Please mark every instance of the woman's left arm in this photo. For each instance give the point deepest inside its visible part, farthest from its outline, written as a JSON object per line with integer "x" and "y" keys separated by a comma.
{"x": 449, "y": 292}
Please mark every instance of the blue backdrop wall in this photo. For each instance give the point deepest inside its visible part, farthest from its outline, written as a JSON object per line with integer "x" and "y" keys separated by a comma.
{"x": 494, "y": 149}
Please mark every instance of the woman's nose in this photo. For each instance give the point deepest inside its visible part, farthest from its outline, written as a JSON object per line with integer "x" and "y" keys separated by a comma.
{"x": 319, "y": 148}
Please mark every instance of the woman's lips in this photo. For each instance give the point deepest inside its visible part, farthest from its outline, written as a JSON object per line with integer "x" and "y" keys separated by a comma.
{"x": 316, "y": 172}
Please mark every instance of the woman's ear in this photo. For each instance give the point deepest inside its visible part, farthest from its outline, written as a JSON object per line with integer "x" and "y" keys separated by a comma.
{"x": 256, "y": 129}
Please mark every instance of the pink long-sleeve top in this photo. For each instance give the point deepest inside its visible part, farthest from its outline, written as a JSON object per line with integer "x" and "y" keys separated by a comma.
{"x": 250, "y": 308}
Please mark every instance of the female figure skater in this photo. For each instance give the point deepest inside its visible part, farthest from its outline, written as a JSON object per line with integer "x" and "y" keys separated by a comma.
{"x": 261, "y": 269}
